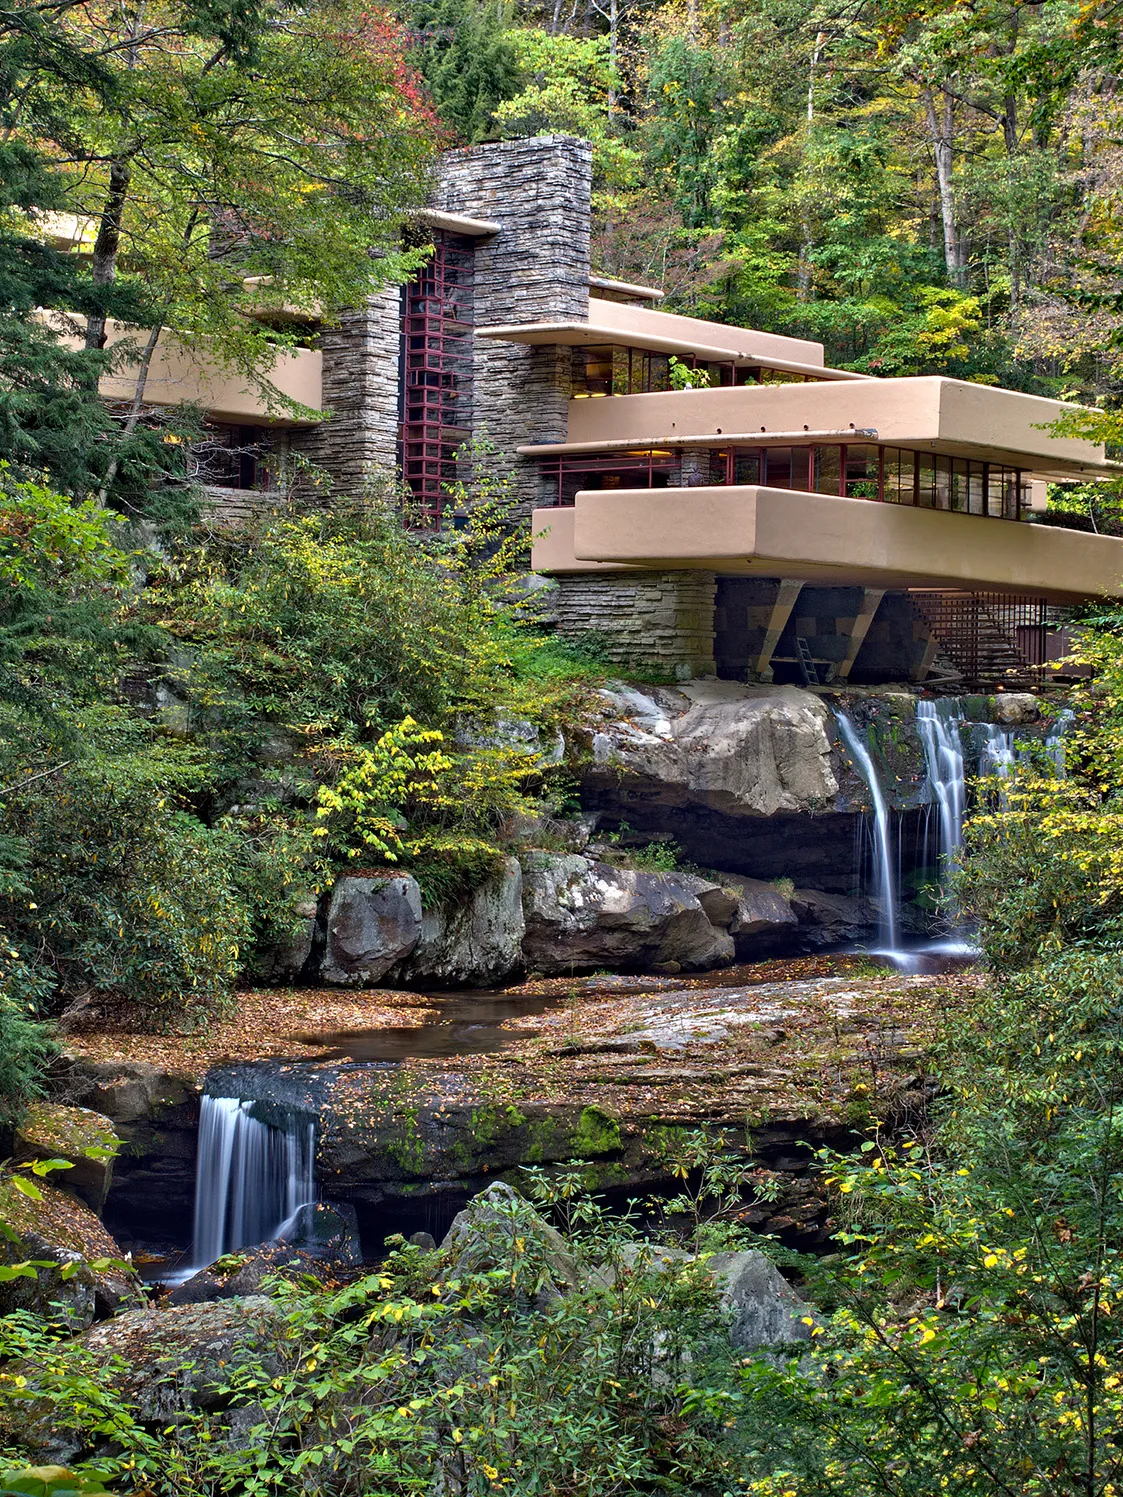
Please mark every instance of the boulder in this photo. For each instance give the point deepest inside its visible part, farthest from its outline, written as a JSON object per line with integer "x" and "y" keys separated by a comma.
{"x": 498, "y": 1229}
{"x": 325, "y": 1230}
{"x": 285, "y": 962}
{"x": 374, "y": 921}
{"x": 582, "y": 915}
{"x": 474, "y": 942}
{"x": 831, "y": 919}
{"x": 237, "y": 1275}
{"x": 68, "y": 1280}
{"x": 1016, "y": 708}
{"x": 168, "y": 1362}
{"x": 743, "y": 750}
{"x": 86, "y": 1139}
{"x": 762, "y": 918}
{"x": 764, "y": 1309}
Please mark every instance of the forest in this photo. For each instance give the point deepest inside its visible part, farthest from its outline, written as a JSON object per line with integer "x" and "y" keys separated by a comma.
{"x": 204, "y": 729}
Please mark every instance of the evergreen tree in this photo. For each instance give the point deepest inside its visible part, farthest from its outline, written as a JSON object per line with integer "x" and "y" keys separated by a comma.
{"x": 465, "y": 57}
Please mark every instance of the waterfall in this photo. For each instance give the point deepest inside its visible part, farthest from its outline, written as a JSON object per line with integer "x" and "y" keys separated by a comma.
{"x": 1055, "y": 742}
{"x": 938, "y": 723}
{"x": 998, "y": 754}
{"x": 887, "y": 893}
{"x": 250, "y": 1178}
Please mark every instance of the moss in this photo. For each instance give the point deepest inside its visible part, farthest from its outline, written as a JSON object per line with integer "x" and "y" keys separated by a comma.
{"x": 542, "y": 1136}
{"x": 51, "y": 1130}
{"x": 57, "y": 1218}
{"x": 488, "y": 1124}
{"x": 405, "y": 1148}
{"x": 597, "y": 1133}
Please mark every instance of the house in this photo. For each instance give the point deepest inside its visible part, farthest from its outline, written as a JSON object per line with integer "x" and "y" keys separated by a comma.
{"x": 708, "y": 499}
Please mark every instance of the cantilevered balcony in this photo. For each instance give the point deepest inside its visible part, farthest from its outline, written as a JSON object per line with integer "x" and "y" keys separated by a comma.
{"x": 749, "y": 530}
{"x": 786, "y": 482}
{"x": 179, "y": 375}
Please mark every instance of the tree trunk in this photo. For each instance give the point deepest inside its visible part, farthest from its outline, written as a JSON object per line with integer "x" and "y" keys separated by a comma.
{"x": 807, "y": 243}
{"x": 108, "y": 243}
{"x": 940, "y": 128}
{"x": 135, "y": 408}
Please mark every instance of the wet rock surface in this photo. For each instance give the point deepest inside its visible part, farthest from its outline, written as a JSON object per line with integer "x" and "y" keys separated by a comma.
{"x": 246, "y": 1273}
{"x": 326, "y": 1231}
{"x": 86, "y": 1139}
{"x": 601, "y": 1069}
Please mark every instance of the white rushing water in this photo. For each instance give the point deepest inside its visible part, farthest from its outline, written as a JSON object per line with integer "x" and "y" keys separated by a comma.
{"x": 955, "y": 748}
{"x": 1055, "y": 743}
{"x": 250, "y": 1177}
{"x": 938, "y": 723}
{"x": 886, "y": 891}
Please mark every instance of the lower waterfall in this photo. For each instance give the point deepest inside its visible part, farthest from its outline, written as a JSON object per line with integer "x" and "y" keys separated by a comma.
{"x": 250, "y": 1178}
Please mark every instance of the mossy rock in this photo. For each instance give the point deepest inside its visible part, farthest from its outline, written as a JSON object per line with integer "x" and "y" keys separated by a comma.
{"x": 86, "y": 1139}
{"x": 72, "y": 1270}
{"x": 598, "y": 1132}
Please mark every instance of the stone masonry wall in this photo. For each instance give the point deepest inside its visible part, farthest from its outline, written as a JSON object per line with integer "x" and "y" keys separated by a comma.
{"x": 661, "y": 619}
{"x": 360, "y": 383}
{"x": 535, "y": 270}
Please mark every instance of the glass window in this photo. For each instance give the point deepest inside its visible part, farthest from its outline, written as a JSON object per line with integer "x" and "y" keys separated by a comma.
{"x": 899, "y": 481}
{"x": 827, "y": 472}
{"x": 925, "y": 480}
{"x": 943, "y": 481}
{"x": 861, "y": 472}
{"x": 976, "y": 489}
{"x": 802, "y": 468}
{"x": 746, "y": 465}
{"x": 720, "y": 466}
{"x": 778, "y": 467}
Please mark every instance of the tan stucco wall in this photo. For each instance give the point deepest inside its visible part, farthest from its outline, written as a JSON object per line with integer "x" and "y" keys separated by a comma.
{"x": 933, "y": 413}
{"x": 179, "y": 374}
{"x": 778, "y": 532}
{"x": 637, "y": 322}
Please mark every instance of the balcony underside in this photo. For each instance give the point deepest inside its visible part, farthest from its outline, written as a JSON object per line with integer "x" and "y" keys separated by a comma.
{"x": 755, "y": 531}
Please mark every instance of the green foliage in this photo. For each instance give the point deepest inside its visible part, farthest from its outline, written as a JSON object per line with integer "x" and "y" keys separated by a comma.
{"x": 978, "y": 1340}
{"x": 463, "y": 52}
{"x": 571, "y": 82}
{"x": 683, "y": 377}
{"x": 469, "y": 1374}
{"x": 50, "y": 1481}
{"x": 1045, "y": 867}
{"x": 363, "y": 809}
{"x": 131, "y": 896}
{"x": 978, "y": 1336}
{"x": 333, "y": 685}
{"x": 25, "y": 1044}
